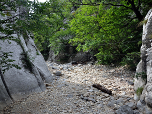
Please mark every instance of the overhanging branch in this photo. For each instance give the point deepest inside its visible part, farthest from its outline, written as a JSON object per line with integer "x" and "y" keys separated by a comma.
{"x": 97, "y": 4}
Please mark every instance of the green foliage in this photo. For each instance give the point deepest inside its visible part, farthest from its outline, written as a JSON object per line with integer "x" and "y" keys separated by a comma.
{"x": 110, "y": 31}
{"x": 48, "y": 25}
{"x": 139, "y": 91}
{"x": 6, "y": 63}
{"x": 131, "y": 59}
{"x": 143, "y": 75}
{"x": 143, "y": 22}
{"x": 26, "y": 60}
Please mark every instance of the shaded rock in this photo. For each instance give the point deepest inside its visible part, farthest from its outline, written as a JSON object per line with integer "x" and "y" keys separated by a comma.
{"x": 136, "y": 97}
{"x": 88, "y": 99}
{"x": 100, "y": 105}
{"x": 58, "y": 73}
{"x": 148, "y": 110}
{"x": 91, "y": 99}
{"x": 120, "y": 100}
{"x": 130, "y": 82}
{"x": 136, "y": 112}
{"x": 140, "y": 106}
{"x": 54, "y": 67}
{"x": 123, "y": 93}
{"x": 132, "y": 105}
{"x": 74, "y": 62}
{"x": 111, "y": 104}
{"x": 124, "y": 110}
{"x": 82, "y": 57}
{"x": 69, "y": 96}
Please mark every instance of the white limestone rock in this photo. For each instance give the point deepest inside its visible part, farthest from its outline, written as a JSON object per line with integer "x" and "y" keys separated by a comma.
{"x": 22, "y": 82}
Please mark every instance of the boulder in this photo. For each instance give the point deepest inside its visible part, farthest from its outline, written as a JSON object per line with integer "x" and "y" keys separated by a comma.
{"x": 18, "y": 83}
{"x": 70, "y": 56}
{"x": 81, "y": 57}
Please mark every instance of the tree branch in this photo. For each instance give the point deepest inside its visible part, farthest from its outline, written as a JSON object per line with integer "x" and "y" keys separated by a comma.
{"x": 139, "y": 3}
{"x": 97, "y": 4}
{"x": 117, "y": 5}
{"x": 4, "y": 21}
{"x": 136, "y": 11}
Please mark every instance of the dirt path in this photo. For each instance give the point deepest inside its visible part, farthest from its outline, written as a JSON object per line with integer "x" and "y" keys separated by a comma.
{"x": 72, "y": 92}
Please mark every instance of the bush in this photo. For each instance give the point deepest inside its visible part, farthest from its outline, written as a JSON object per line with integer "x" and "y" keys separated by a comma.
{"x": 131, "y": 59}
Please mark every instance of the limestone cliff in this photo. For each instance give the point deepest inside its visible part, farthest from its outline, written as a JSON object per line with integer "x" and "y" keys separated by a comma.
{"x": 143, "y": 78}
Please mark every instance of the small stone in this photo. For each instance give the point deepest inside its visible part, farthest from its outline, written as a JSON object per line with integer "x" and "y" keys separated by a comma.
{"x": 128, "y": 99}
{"x": 100, "y": 106}
{"x": 54, "y": 67}
{"x": 136, "y": 112}
{"x": 148, "y": 110}
{"x": 136, "y": 97}
{"x": 91, "y": 90}
{"x": 123, "y": 88}
{"x": 123, "y": 93}
{"x": 139, "y": 104}
{"x": 58, "y": 73}
{"x": 79, "y": 65}
{"x": 111, "y": 104}
{"x": 121, "y": 80}
{"x": 86, "y": 95}
{"x": 69, "y": 96}
{"x": 106, "y": 95}
{"x": 115, "y": 89}
{"x": 132, "y": 105}
{"x": 130, "y": 82}
{"x": 91, "y": 99}
{"x": 121, "y": 100}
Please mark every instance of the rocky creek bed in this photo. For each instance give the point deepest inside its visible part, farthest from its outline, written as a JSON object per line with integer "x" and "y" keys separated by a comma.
{"x": 71, "y": 92}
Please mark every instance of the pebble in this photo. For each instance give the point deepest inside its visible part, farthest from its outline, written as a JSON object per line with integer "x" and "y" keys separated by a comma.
{"x": 131, "y": 105}
{"x": 58, "y": 73}
{"x": 130, "y": 82}
{"x": 72, "y": 92}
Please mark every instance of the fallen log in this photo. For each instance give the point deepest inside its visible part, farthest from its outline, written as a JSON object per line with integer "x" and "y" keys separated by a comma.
{"x": 102, "y": 88}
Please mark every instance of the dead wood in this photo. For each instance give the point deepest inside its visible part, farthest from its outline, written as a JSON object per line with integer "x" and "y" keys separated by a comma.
{"x": 102, "y": 88}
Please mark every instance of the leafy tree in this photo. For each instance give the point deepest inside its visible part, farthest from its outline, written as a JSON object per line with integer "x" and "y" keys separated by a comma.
{"x": 48, "y": 22}
{"x": 109, "y": 28}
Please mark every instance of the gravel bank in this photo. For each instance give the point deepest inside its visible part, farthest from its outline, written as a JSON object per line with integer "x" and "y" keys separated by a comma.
{"x": 72, "y": 93}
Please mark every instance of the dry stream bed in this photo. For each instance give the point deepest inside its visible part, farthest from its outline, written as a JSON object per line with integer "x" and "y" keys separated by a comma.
{"x": 71, "y": 92}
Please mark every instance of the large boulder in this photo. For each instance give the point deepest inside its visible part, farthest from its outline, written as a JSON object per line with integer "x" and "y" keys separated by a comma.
{"x": 70, "y": 55}
{"x": 145, "y": 64}
{"x": 19, "y": 83}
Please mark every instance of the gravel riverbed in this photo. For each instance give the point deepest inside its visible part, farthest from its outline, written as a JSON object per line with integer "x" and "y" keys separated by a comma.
{"x": 71, "y": 92}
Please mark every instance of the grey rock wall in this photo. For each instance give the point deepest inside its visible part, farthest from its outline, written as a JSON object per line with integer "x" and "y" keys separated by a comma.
{"x": 145, "y": 65}
{"x": 19, "y": 83}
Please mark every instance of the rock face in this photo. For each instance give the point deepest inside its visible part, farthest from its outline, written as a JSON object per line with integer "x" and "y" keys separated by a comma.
{"x": 145, "y": 65}
{"x": 18, "y": 83}
{"x": 70, "y": 55}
